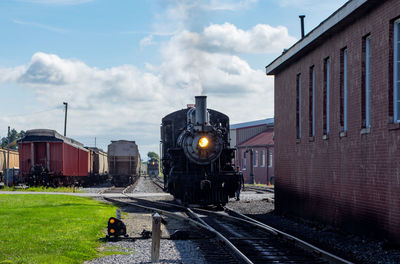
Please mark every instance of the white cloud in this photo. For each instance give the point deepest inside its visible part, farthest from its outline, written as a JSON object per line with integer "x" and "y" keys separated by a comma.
{"x": 39, "y": 25}
{"x": 229, "y": 5}
{"x": 128, "y": 102}
{"x": 260, "y": 39}
{"x": 311, "y": 5}
{"x": 147, "y": 41}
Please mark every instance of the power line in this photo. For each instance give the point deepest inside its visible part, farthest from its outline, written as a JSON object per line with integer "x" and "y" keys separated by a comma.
{"x": 33, "y": 113}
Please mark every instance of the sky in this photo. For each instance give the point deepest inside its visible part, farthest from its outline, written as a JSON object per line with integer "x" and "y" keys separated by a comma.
{"x": 124, "y": 64}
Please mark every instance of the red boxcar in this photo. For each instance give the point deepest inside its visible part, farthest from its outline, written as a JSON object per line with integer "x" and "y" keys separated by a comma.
{"x": 48, "y": 158}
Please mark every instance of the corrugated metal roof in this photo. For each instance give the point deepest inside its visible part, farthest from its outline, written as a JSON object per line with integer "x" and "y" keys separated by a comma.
{"x": 264, "y": 138}
{"x": 268, "y": 121}
{"x": 44, "y": 135}
{"x": 340, "y": 16}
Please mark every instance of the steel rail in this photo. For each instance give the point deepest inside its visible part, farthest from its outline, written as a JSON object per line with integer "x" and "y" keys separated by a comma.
{"x": 301, "y": 243}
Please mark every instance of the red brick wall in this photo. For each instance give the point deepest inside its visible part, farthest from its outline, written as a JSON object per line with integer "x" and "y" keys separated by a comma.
{"x": 351, "y": 181}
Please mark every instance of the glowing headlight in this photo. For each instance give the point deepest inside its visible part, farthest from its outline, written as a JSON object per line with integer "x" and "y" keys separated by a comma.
{"x": 203, "y": 142}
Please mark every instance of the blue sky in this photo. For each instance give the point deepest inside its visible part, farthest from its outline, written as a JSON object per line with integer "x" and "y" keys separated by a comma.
{"x": 123, "y": 65}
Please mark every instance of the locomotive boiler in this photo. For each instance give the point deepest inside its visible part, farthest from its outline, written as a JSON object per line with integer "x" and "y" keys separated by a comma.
{"x": 196, "y": 155}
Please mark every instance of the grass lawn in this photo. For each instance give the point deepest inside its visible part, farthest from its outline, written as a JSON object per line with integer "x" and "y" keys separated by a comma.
{"x": 51, "y": 228}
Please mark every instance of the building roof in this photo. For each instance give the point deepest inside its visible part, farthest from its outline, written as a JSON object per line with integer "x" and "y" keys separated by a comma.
{"x": 47, "y": 135}
{"x": 349, "y": 12}
{"x": 268, "y": 121}
{"x": 262, "y": 139}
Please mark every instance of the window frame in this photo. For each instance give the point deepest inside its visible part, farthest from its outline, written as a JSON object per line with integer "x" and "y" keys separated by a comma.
{"x": 270, "y": 158}
{"x": 262, "y": 163}
{"x": 326, "y": 89}
{"x": 312, "y": 102}
{"x": 343, "y": 88}
{"x": 298, "y": 106}
{"x": 367, "y": 80}
{"x": 396, "y": 75}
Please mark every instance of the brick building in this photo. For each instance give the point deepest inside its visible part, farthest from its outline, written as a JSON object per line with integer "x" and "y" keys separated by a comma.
{"x": 256, "y": 154}
{"x": 337, "y": 120}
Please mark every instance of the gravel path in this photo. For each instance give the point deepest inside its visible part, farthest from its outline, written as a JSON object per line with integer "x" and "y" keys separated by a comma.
{"x": 145, "y": 185}
{"x": 140, "y": 252}
{"x": 97, "y": 188}
{"x": 349, "y": 246}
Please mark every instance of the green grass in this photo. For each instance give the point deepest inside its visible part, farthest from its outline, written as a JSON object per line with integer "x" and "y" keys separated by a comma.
{"x": 51, "y": 228}
{"x": 42, "y": 189}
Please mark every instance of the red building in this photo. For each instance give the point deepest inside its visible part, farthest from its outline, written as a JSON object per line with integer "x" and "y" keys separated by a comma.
{"x": 254, "y": 143}
{"x": 337, "y": 120}
{"x": 256, "y": 154}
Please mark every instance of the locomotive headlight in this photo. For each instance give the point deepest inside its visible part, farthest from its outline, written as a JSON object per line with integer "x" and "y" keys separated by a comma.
{"x": 203, "y": 142}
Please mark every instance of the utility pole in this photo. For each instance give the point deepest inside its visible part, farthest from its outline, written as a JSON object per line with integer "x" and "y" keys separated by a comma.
{"x": 8, "y": 157}
{"x": 65, "y": 119}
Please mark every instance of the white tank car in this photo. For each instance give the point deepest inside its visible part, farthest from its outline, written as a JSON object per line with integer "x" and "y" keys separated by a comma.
{"x": 123, "y": 162}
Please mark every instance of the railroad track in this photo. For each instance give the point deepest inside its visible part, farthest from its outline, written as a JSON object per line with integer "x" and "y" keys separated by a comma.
{"x": 122, "y": 190}
{"x": 259, "y": 189}
{"x": 157, "y": 181}
{"x": 246, "y": 239}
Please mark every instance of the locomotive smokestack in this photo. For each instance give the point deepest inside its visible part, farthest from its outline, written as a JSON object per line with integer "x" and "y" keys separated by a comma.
{"x": 201, "y": 110}
{"x": 302, "y": 25}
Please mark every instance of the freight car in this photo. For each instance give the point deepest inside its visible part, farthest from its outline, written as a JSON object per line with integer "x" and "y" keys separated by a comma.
{"x": 50, "y": 159}
{"x": 196, "y": 155}
{"x": 14, "y": 166}
{"x": 152, "y": 167}
{"x": 123, "y": 162}
{"x": 98, "y": 165}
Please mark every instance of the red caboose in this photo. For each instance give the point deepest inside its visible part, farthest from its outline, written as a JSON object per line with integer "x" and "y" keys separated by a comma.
{"x": 48, "y": 158}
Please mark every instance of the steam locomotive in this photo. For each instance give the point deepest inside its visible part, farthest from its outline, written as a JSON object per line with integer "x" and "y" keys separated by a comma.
{"x": 197, "y": 160}
{"x": 152, "y": 167}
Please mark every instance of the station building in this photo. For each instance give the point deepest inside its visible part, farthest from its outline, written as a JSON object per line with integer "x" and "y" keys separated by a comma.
{"x": 255, "y": 149}
{"x": 337, "y": 121}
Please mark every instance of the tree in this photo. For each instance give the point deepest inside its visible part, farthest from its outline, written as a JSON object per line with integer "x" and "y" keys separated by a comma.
{"x": 154, "y": 155}
{"x": 14, "y": 135}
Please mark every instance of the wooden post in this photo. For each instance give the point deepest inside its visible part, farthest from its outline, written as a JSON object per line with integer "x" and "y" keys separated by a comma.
{"x": 156, "y": 235}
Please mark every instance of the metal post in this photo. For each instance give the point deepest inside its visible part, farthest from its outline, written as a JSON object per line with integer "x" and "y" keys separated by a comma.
{"x": 302, "y": 25}
{"x": 155, "y": 238}
{"x": 65, "y": 119}
{"x": 8, "y": 158}
{"x": 251, "y": 167}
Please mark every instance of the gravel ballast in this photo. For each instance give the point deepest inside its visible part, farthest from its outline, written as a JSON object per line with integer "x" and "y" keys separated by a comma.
{"x": 352, "y": 247}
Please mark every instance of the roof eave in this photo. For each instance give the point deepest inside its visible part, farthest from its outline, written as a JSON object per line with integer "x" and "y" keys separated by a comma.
{"x": 317, "y": 33}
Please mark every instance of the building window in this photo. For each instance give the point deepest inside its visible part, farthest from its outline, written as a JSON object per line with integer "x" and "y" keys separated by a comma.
{"x": 262, "y": 163}
{"x": 325, "y": 122}
{"x": 269, "y": 158}
{"x": 343, "y": 89}
{"x": 298, "y": 106}
{"x": 311, "y": 96}
{"x": 255, "y": 161}
{"x": 365, "y": 90}
{"x": 396, "y": 73}
{"x": 244, "y": 161}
